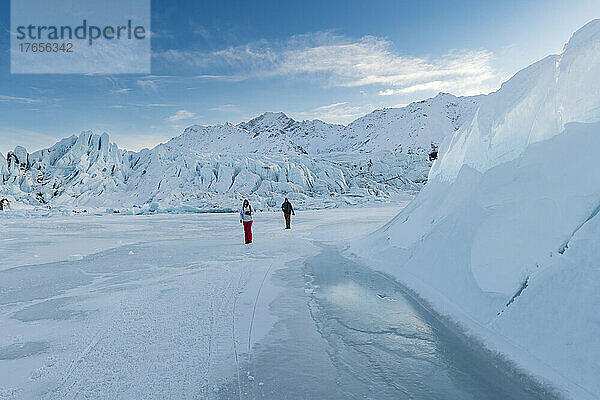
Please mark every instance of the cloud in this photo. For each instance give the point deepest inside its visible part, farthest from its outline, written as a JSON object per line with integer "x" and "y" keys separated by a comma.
{"x": 340, "y": 61}
{"x": 142, "y": 105}
{"x": 154, "y": 77}
{"x": 22, "y": 100}
{"x": 232, "y": 78}
{"x": 340, "y": 113}
{"x": 148, "y": 84}
{"x": 226, "y": 108}
{"x": 202, "y": 32}
{"x": 387, "y": 92}
{"x": 153, "y": 105}
{"x": 181, "y": 115}
{"x": 331, "y": 106}
{"x": 120, "y": 91}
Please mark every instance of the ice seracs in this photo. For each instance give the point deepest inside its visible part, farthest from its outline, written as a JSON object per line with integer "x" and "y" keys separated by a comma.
{"x": 89, "y": 172}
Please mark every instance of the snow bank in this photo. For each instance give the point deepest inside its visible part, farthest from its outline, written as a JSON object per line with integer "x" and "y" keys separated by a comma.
{"x": 504, "y": 236}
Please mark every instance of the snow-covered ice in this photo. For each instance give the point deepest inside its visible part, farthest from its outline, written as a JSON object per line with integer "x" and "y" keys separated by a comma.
{"x": 504, "y": 236}
{"x": 175, "y": 306}
{"x": 381, "y": 157}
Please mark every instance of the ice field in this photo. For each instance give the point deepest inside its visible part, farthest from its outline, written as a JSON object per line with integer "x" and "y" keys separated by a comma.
{"x": 175, "y": 306}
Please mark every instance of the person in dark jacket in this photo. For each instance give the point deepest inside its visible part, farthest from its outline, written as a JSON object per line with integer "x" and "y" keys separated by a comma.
{"x": 288, "y": 210}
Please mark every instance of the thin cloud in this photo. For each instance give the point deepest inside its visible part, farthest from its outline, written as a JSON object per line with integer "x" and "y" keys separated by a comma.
{"x": 158, "y": 77}
{"x": 330, "y": 106}
{"x": 201, "y": 31}
{"x": 147, "y": 84}
{"x": 464, "y": 87}
{"x": 150, "y": 82}
{"x": 340, "y": 113}
{"x": 155, "y": 105}
{"x": 340, "y": 61}
{"x": 231, "y": 78}
{"x": 22, "y": 100}
{"x": 226, "y": 108}
{"x": 387, "y": 92}
{"x": 143, "y": 105}
{"x": 181, "y": 115}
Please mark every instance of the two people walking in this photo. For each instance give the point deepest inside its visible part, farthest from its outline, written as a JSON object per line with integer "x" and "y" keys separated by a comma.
{"x": 247, "y": 212}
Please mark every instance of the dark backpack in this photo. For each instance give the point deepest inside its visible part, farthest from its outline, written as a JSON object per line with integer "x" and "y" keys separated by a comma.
{"x": 286, "y": 207}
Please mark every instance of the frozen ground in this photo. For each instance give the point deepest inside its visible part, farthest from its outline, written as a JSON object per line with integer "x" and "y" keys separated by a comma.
{"x": 174, "y": 306}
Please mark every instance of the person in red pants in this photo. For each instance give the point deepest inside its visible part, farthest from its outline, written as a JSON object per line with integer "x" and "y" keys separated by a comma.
{"x": 246, "y": 219}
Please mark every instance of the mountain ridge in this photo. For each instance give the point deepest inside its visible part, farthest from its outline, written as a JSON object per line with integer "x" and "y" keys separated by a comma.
{"x": 418, "y": 127}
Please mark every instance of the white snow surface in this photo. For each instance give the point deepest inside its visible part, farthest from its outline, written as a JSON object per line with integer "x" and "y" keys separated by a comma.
{"x": 175, "y": 306}
{"x": 380, "y": 157}
{"x": 148, "y": 306}
{"x": 504, "y": 237}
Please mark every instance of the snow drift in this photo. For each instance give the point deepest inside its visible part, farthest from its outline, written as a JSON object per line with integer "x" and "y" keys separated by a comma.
{"x": 382, "y": 156}
{"x": 504, "y": 236}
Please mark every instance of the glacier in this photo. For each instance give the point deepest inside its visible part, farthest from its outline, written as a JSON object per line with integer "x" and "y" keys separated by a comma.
{"x": 380, "y": 157}
{"x": 503, "y": 238}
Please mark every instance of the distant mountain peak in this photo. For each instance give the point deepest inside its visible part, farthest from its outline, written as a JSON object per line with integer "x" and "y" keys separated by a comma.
{"x": 268, "y": 117}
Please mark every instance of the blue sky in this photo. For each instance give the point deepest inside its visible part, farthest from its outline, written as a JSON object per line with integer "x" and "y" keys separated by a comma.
{"x": 214, "y": 62}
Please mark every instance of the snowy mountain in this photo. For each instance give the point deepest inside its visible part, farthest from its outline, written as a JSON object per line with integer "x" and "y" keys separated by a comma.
{"x": 380, "y": 156}
{"x": 504, "y": 237}
{"x": 416, "y": 129}
{"x": 307, "y": 136}
{"x": 412, "y": 129}
{"x": 234, "y": 139}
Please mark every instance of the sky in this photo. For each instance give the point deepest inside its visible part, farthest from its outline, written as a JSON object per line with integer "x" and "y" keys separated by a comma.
{"x": 228, "y": 61}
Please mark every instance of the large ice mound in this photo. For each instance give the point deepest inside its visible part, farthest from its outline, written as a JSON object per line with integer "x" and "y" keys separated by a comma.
{"x": 504, "y": 235}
